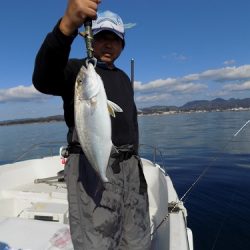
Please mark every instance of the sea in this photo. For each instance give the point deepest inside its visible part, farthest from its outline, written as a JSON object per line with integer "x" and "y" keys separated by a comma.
{"x": 206, "y": 154}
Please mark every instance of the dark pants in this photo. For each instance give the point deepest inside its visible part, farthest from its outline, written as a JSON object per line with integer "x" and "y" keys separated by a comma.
{"x": 110, "y": 216}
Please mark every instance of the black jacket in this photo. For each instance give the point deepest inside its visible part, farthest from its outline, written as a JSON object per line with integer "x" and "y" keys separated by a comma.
{"x": 55, "y": 74}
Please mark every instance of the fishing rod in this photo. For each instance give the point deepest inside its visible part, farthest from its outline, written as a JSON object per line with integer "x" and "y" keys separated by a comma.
{"x": 185, "y": 195}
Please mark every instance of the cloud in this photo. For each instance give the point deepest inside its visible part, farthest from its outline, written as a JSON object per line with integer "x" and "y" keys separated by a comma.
{"x": 218, "y": 93}
{"x": 224, "y": 82}
{"x": 226, "y": 73}
{"x": 237, "y": 87}
{"x": 229, "y": 62}
{"x": 221, "y": 75}
{"x": 211, "y": 83}
{"x": 152, "y": 98}
{"x": 159, "y": 83}
{"x": 190, "y": 88}
{"x": 176, "y": 57}
{"x": 21, "y": 94}
{"x": 169, "y": 85}
{"x": 179, "y": 57}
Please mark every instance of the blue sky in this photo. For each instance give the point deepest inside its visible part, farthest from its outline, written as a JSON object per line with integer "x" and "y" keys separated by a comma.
{"x": 184, "y": 50}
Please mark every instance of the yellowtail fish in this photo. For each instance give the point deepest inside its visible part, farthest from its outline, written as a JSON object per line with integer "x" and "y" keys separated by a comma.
{"x": 92, "y": 118}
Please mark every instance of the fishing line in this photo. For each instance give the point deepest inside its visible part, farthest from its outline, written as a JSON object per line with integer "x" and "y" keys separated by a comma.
{"x": 185, "y": 195}
{"x": 212, "y": 161}
{"x": 241, "y": 128}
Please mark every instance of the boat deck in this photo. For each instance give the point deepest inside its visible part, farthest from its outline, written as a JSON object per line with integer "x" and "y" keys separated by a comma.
{"x": 32, "y": 205}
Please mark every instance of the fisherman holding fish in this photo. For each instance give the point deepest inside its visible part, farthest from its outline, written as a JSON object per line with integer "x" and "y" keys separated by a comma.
{"x": 107, "y": 191}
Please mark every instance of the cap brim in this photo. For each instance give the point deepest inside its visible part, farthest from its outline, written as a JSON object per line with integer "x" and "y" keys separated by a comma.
{"x": 96, "y": 31}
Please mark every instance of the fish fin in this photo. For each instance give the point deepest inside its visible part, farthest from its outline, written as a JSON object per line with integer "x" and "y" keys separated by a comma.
{"x": 112, "y": 108}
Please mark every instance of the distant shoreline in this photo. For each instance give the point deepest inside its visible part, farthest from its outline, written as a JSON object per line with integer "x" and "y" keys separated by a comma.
{"x": 193, "y": 111}
{"x": 60, "y": 118}
{"x": 200, "y": 106}
{"x": 56, "y": 118}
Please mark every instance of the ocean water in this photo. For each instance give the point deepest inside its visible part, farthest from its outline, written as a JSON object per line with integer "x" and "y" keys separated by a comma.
{"x": 200, "y": 153}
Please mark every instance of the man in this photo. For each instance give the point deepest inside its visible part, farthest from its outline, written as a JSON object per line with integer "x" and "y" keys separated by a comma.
{"x": 102, "y": 216}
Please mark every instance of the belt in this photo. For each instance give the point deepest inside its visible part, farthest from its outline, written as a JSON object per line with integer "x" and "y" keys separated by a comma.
{"x": 126, "y": 150}
{"x": 121, "y": 153}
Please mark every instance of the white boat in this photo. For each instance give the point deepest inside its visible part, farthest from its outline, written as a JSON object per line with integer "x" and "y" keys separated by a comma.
{"x": 34, "y": 209}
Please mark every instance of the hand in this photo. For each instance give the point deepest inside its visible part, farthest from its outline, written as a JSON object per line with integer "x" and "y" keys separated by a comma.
{"x": 76, "y": 13}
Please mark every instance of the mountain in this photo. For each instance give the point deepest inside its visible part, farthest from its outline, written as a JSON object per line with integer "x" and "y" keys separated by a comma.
{"x": 201, "y": 105}
{"x": 216, "y": 104}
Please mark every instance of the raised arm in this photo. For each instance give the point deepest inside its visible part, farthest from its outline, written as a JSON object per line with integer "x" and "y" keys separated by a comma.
{"x": 50, "y": 72}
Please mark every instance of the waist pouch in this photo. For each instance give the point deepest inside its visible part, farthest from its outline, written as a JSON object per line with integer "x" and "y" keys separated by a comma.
{"x": 124, "y": 153}
{"x": 120, "y": 154}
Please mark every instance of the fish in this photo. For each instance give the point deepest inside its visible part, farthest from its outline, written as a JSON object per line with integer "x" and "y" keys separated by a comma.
{"x": 92, "y": 112}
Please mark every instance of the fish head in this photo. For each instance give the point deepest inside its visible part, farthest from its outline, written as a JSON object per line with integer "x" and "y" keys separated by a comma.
{"x": 87, "y": 82}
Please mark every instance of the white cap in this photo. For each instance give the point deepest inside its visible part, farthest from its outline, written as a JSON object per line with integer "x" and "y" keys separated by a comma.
{"x": 110, "y": 21}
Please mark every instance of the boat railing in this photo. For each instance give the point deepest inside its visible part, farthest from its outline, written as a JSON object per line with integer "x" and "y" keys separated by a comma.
{"x": 43, "y": 149}
{"x": 154, "y": 153}
{"x": 40, "y": 150}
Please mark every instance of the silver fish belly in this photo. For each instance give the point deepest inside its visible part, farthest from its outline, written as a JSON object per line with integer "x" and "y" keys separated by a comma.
{"x": 92, "y": 119}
